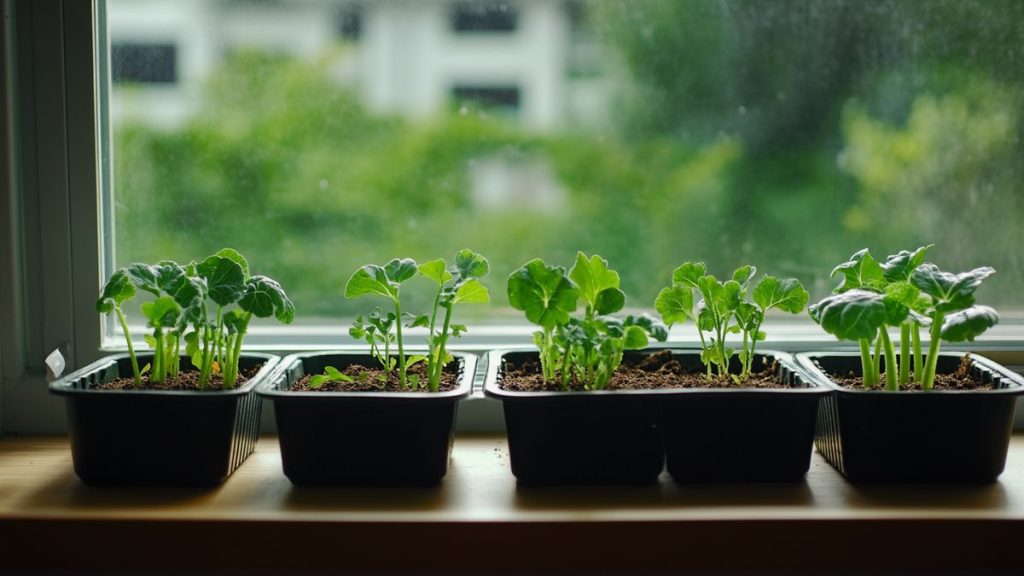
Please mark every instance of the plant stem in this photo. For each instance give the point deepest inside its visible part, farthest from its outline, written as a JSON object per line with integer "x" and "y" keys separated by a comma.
{"x": 932, "y": 361}
{"x": 131, "y": 349}
{"x": 236, "y": 354}
{"x": 703, "y": 345}
{"x": 158, "y": 358}
{"x": 866, "y": 363}
{"x": 890, "y": 362}
{"x": 918, "y": 356}
{"x": 436, "y": 364}
{"x": 401, "y": 348}
{"x": 878, "y": 358}
{"x": 904, "y": 354}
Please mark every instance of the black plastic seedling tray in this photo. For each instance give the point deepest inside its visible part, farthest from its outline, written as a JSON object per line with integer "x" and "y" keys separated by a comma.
{"x": 908, "y": 436}
{"x": 158, "y": 437}
{"x": 363, "y": 438}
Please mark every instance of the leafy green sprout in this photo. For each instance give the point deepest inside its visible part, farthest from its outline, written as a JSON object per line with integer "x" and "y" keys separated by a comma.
{"x": 723, "y": 309}
{"x": 457, "y": 284}
{"x": 181, "y": 300}
{"x": 331, "y": 374}
{"x": 903, "y": 292}
{"x": 590, "y": 347}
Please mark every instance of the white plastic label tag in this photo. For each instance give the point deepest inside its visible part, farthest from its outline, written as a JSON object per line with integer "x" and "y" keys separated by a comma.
{"x": 54, "y": 365}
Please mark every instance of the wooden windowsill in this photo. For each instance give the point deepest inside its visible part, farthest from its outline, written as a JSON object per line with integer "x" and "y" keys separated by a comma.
{"x": 479, "y": 520}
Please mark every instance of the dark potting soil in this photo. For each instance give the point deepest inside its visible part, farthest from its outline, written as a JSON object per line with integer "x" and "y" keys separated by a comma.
{"x": 186, "y": 380}
{"x": 378, "y": 380}
{"x": 653, "y": 371}
{"x": 961, "y": 380}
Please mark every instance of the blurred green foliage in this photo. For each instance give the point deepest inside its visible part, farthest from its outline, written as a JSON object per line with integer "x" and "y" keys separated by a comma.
{"x": 788, "y": 134}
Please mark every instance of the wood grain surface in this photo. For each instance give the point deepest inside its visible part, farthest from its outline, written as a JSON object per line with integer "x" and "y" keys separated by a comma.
{"x": 479, "y": 520}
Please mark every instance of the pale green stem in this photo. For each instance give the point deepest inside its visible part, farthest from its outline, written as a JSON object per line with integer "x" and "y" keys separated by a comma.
{"x": 904, "y": 354}
{"x": 932, "y": 361}
{"x": 891, "y": 370}
{"x": 918, "y": 355}
{"x": 401, "y": 345}
{"x": 866, "y": 363}
{"x": 131, "y": 349}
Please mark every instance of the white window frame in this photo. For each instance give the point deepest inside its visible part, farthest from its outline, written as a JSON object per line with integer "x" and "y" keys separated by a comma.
{"x": 56, "y": 247}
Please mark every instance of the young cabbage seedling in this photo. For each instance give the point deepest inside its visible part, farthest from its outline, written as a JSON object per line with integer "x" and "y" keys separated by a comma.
{"x": 881, "y": 295}
{"x": 590, "y": 348}
{"x": 331, "y": 374}
{"x": 386, "y": 281}
{"x": 953, "y": 314}
{"x": 902, "y": 292}
{"x": 459, "y": 284}
{"x": 378, "y": 331}
{"x": 723, "y": 309}
{"x": 117, "y": 291}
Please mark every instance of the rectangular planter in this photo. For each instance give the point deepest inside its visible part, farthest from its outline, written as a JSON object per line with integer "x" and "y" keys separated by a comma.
{"x": 159, "y": 437}
{"x": 737, "y": 434}
{"x": 937, "y": 436}
{"x": 363, "y": 438}
{"x": 597, "y": 437}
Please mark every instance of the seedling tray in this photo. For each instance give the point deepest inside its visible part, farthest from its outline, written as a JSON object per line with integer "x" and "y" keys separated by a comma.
{"x": 158, "y": 437}
{"x": 741, "y": 434}
{"x": 907, "y": 436}
{"x": 597, "y": 437}
{"x": 363, "y": 438}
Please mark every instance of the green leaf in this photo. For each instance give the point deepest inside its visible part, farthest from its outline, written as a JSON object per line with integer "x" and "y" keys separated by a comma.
{"x": 949, "y": 292}
{"x": 592, "y": 277}
{"x": 236, "y": 257}
{"x": 649, "y": 324}
{"x": 162, "y": 312}
{"x": 851, "y": 315}
{"x": 118, "y": 289}
{"x": 400, "y": 270}
{"x": 469, "y": 264}
{"x": 705, "y": 317}
{"x": 898, "y": 267}
{"x": 414, "y": 321}
{"x": 748, "y": 316}
{"x": 236, "y": 321}
{"x": 411, "y": 361}
{"x": 634, "y": 338}
{"x": 861, "y": 271}
{"x": 318, "y": 380}
{"x": 787, "y": 295}
{"x": 689, "y": 273}
{"x": 744, "y": 274}
{"x": 335, "y": 375}
{"x": 966, "y": 325}
{"x": 732, "y": 294}
{"x": 144, "y": 277}
{"x": 472, "y": 292}
{"x": 544, "y": 292}
{"x": 414, "y": 380}
{"x": 225, "y": 280}
{"x": 436, "y": 270}
{"x": 150, "y": 341}
{"x": 370, "y": 279}
{"x": 458, "y": 329}
{"x": 609, "y": 300}
{"x": 264, "y": 296}
{"x": 675, "y": 304}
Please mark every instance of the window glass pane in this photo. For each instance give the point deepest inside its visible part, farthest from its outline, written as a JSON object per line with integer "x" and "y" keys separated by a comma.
{"x": 319, "y": 135}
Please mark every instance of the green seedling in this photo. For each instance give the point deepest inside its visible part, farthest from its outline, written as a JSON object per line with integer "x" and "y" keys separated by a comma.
{"x": 458, "y": 284}
{"x": 182, "y": 299}
{"x": 724, "y": 309}
{"x": 331, "y": 374}
{"x": 589, "y": 348}
{"x": 902, "y": 292}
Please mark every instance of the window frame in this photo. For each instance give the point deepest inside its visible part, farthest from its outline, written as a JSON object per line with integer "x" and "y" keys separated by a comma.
{"x": 59, "y": 246}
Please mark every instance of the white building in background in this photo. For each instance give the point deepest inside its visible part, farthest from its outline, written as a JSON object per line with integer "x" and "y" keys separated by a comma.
{"x": 524, "y": 59}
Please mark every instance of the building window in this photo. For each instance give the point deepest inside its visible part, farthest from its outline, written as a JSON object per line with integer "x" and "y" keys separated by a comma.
{"x": 504, "y": 98}
{"x": 348, "y": 21}
{"x": 471, "y": 17}
{"x": 144, "y": 63}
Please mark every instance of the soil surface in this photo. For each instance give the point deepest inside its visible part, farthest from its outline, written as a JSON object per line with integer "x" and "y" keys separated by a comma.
{"x": 962, "y": 380}
{"x": 186, "y": 380}
{"x": 654, "y": 371}
{"x": 377, "y": 380}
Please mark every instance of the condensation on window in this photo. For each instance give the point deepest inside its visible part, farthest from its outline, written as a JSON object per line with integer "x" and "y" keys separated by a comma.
{"x": 319, "y": 136}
